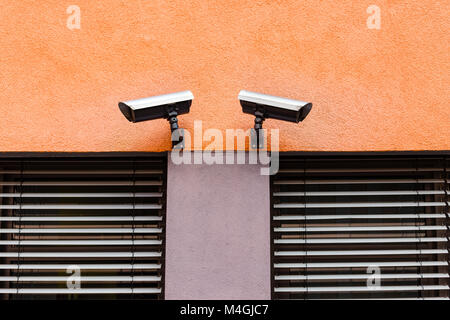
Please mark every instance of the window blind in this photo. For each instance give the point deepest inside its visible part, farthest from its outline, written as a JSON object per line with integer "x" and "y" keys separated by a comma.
{"x": 82, "y": 228}
{"x": 374, "y": 227}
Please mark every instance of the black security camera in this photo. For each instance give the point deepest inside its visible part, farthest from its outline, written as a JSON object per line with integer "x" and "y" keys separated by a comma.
{"x": 167, "y": 106}
{"x": 264, "y": 106}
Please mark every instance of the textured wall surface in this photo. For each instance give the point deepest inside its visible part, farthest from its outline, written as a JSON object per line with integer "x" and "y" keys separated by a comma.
{"x": 218, "y": 232}
{"x": 381, "y": 89}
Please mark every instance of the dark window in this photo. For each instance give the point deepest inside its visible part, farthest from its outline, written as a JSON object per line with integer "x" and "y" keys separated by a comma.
{"x": 360, "y": 227}
{"x": 102, "y": 217}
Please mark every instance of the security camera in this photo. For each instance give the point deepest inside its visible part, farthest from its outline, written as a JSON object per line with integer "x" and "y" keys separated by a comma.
{"x": 274, "y": 107}
{"x": 167, "y": 106}
{"x": 264, "y": 106}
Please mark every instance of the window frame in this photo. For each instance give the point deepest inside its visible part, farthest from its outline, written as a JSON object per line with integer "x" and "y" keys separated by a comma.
{"x": 311, "y": 155}
{"x": 30, "y": 156}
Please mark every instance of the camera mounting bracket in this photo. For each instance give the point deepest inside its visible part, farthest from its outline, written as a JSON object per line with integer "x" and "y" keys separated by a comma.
{"x": 177, "y": 135}
{"x": 257, "y": 136}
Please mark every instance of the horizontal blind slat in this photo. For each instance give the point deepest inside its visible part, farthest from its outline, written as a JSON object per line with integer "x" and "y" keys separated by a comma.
{"x": 111, "y": 266}
{"x": 94, "y": 172}
{"x": 361, "y": 289}
{"x": 360, "y": 252}
{"x": 111, "y": 242}
{"x": 361, "y": 264}
{"x": 83, "y": 218}
{"x": 82, "y": 278}
{"x": 82, "y": 291}
{"x": 357, "y": 193}
{"x": 81, "y": 207}
{"x": 354, "y": 229}
{"x": 360, "y": 276}
{"x": 360, "y": 181}
{"x": 79, "y": 254}
{"x": 83, "y": 195}
{"x": 82, "y": 230}
{"x": 81, "y": 183}
{"x": 360, "y": 216}
{"x": 357, "y": 170}
{"x": 360, "y": 240}
{"x": 359, "y": 205}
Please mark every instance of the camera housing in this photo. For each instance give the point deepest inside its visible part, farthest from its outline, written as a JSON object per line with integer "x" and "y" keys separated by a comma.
{"x": 274, "y": 107}
{"x": 167, "y": 106}
{"x": 264, "y": 106}
{"x": 157, "y": 107}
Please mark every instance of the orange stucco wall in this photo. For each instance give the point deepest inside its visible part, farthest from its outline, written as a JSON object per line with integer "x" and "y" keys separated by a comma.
{"x": 381, "y": 89}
